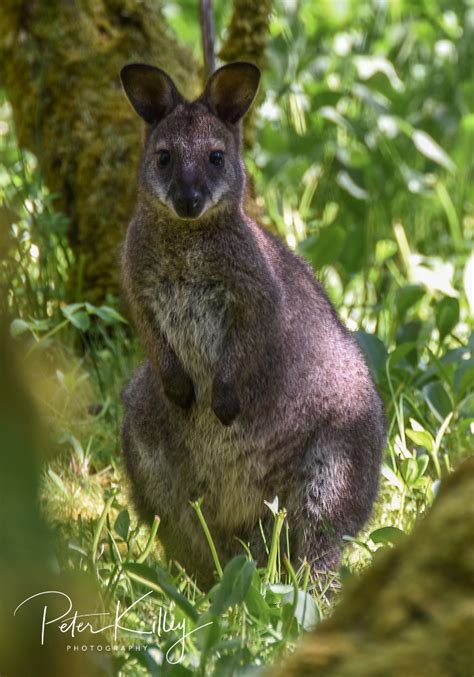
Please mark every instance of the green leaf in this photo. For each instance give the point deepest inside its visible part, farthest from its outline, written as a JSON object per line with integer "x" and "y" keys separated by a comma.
{"x": 438, "y": 400}
{"x": 369, "y": 65}
{"x": 409, "y": 333}
{"x": 430, "y": 149}
{"x": 255, "y": 601}
{"x": 18, "y": 327}
{"x": 375, "y": 353}
{"x": 409, "y": 470}
{"x": 447, "y": 316}
{"x": 234, "y": 585}
{"x": 331, "y": 114}
{"x": 108, "y": 314}
{"x": 306, "y": 611}
{"x": 422, "y": 462}
{"x": 401, "y": 352}
{"x": 77, "y": 317}
{"x": 324, "y": 249}
{"x": 392, "y": 477}
{"x": 80, "y": 320}
{"x": 385, "y": 249}
{"x": 407, "y": 297}
{"x": 209, "y": 636}
{"x": 72, "y": 308}
{"x": 464, "y": 377}
{"x": 58, "y": 482}
{"x": 76, "y": 445}
{"x": 122, "y": 524}
{"x": 422, "y": 438}
{"x": 347, "y": 183}
{"x": 387, "y": 535}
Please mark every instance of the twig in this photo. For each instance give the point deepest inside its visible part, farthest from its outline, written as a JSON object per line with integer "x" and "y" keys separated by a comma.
{"x": 207, "y": 36}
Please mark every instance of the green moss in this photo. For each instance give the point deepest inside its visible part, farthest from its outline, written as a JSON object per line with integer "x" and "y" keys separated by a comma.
{"x": 246, "y": 41}
{"x": 247, "y": 34}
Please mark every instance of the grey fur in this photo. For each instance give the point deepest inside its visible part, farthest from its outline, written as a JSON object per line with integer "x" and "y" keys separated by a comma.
{"x": 252, "y": 388}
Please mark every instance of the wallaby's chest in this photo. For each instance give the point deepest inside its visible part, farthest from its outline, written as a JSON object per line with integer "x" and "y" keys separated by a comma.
{"x": 193, "y": 313}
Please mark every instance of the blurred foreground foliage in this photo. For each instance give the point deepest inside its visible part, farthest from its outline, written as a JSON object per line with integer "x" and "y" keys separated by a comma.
{"x": 364, "y": 162}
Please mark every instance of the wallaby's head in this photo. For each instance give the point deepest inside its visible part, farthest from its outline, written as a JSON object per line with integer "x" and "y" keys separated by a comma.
{"x": 192, "y": 158}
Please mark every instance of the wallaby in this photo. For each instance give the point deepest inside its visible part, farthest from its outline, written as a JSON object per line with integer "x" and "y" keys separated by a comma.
{"x": 252, "y": 388}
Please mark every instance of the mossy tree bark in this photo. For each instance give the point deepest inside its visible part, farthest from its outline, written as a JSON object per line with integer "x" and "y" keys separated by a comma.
{"x": 246, "y": 41}
{"x": 59, "y": 65}
{"x": 412, "y": 612}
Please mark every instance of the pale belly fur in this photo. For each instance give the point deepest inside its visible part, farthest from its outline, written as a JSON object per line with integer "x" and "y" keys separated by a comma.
{"x": 193, "y": 316}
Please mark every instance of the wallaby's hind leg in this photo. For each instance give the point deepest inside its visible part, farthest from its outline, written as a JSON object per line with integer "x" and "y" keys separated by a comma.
{"x": 337, "y": 496}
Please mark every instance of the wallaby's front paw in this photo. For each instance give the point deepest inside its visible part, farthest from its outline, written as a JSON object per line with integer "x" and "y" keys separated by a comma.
{"x": 179, "y": 389}
{"x": 225, "y": 402}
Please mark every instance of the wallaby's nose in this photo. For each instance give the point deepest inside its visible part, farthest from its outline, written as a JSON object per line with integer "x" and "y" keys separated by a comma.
{"x": 189, "y": 204}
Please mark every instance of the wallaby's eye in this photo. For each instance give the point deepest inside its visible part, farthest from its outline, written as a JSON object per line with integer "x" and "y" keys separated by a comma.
{"x": 216, "y": 158}
{"x": 164, "y": 157}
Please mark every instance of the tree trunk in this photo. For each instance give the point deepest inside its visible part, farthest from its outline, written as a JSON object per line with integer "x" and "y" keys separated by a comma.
{"x": 412, "y": 611}
{"x": 59, "y": 65}
{"x": 60, "y": 62}
{"x": 246, "y": 40}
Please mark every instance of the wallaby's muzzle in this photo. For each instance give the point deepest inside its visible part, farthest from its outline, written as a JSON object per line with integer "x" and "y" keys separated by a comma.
{"x": 189, "y": 203}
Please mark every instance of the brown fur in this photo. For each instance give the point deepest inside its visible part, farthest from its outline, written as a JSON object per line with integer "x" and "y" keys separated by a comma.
{"x": 252, "y": 387}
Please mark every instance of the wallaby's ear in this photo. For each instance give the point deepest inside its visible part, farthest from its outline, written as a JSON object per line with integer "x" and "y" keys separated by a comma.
{"x": 151, "y": 92}
{"x": 232, "y": 89}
